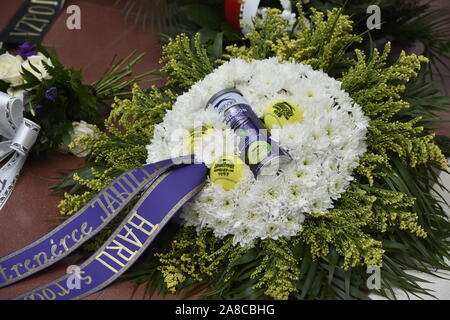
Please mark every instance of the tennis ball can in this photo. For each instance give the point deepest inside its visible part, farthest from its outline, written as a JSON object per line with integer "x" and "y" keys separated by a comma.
{"x": 262, "y": 154}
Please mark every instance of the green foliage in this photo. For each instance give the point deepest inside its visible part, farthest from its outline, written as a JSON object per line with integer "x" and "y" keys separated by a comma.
{"x": 172, "y": 17}
{"x": 405, "y": 23}
{"x": 208, "y": 22}
{"x": 126, "y": 150}
{"x": 322, "y": 46}
{"x": 72, "y": 99}
{"x": 277, "y": 269}
{"x": 118, "y": 79}
{"x": 73, "y": 102}
{"x": 387, "y": 217}
{"x": 186, "y": 61}
{"x": 117, "y": 150}
{"x": 378, "y": 88}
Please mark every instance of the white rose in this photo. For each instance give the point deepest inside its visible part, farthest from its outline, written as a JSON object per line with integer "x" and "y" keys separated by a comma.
{"x": 10, "y": 67}
{"x": 19, "y": 94}
{"x": 81, "y": 128}
{"x": 37, "y": 61}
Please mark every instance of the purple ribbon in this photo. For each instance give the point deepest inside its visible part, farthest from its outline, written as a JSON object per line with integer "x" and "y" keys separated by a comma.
{"x": 162, "y": 192}
{"x": 162, "y": 200}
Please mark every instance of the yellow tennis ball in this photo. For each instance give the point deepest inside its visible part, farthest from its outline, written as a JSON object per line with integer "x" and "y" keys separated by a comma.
{"x": 282, "y": 112}
{"x": 227, "y": 171}
{"x": 196, "y": 135}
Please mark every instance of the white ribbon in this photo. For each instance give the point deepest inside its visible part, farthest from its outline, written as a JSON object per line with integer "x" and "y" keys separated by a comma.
{"x": 19, "y": 136}
{"x": 249, "y": 9}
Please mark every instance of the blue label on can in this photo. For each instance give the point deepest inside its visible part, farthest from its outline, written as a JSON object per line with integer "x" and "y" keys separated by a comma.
{"x": 257, "y": 149}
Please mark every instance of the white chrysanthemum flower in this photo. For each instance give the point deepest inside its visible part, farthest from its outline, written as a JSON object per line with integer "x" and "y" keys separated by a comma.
{"x": 325, "y": 147}
{"x": 80, "y": 129}
{"x": 216, "y": 145}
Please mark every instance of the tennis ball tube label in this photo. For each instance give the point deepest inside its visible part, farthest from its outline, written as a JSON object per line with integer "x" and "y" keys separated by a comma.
{"x": 263, "y": 155}
{"x": 258, "y": 151}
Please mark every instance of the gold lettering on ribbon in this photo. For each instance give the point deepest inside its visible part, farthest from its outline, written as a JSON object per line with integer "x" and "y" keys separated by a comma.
{"x": 27, "y": 265}
{"x": 74, "y": 231}
{"x": 87, "y": 280}
{"x": 99, "y": 258}
{"x": 33, "y": 296}
{"x": 39, "y": 29}
{"x": 38, "y": 10}
{"x": 42, "y": 258}
{"x": 21, "y": 32}
{"x": 121, "y": 250}
{"x": 83, "y": 229}
{"x": 63, "y": 243}
{"x": 107, "y": 205}
{"x": 102, "y": 207}
{"x": 141, "y": 223}
{"x": 53, "y": 249}
{"x": 111, "y": 201}
{"x": 63, "y": 291}
{"x": 31, "y": 19}
{"x": 49, "y": 294}
{"x": 24, "y": 33}
{"x": 126, "y": 184}
{"x": 135, "y": 180}
{"x": 38, "y": 256}
{"x": 16, "y": 267}
{"x": 120, "y": 195}
{"x": 135, "y": 240}
{"x": 3, "y": 274}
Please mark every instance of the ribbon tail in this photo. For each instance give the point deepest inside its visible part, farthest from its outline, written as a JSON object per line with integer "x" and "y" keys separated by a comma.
{"x": 5, "y": 149}
{"x": 147, "y": 218}
{"x": 21, "y": 134}
{"x": 83, "y": 225}
{"x": 8, "y": 176}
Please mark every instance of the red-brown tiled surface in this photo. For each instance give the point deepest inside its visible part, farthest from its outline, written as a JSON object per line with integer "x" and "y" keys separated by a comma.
{"x": 32, "y": 209}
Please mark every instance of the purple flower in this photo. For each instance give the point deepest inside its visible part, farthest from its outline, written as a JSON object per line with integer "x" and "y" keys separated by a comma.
{"x": 51, "y": 93}
{"x": 38, "y": 109}
{"x": 27, "y": 49}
